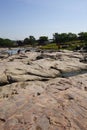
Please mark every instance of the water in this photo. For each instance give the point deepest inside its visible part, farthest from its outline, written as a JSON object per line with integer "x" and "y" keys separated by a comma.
{"x": 10, "y": 51}
{"x": 14, "y": 51}
{"x": 74, "y": 73}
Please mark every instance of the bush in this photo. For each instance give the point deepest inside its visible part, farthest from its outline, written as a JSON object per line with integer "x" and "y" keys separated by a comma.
{"x": 6, "y": 43}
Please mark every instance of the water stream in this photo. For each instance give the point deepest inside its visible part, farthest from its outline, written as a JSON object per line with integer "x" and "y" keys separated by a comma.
{"x": 73, "y": 73}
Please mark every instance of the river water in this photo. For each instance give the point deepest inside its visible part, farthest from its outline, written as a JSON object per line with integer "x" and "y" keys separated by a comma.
{"x": 15, "y": 50}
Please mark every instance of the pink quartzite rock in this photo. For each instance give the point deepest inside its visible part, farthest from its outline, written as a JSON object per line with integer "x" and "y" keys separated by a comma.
{"x": 35, "y": 96}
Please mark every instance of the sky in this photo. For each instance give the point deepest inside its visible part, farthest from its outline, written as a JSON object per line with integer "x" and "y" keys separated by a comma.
{"x": 21, "y": 18}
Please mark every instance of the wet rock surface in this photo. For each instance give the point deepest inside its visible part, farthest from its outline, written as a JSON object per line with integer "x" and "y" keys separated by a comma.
{"x": 36, "y": 95}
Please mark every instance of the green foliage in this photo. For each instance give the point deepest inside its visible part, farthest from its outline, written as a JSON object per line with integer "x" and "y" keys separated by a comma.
{"x": 50, "y": 46}
{"x": 60, "y": 41}
{"x": 6, "y": 43}
{"x": 64, "y": 37}
{"x": 75, "y": 45}
{"x": 32, "y": 40}
{"x": 26, "y": 41}
{"x": 72, "y": 45}
{"x": 71, "y": 37}
{"x": 20, "y": 43}
{"x": 83, "y": 36}
{"x": 29, "y": 41}
{"x": 43, "y": 40}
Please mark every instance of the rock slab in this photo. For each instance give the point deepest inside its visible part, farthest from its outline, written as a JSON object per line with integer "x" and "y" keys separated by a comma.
{"x": 36, "y": 95}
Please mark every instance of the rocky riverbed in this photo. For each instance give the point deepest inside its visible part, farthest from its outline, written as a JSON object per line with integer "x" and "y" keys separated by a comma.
{"x": 43, "y": 91}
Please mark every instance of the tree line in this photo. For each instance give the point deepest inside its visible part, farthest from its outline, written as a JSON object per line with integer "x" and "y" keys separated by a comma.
{"x": 58, "y": 38}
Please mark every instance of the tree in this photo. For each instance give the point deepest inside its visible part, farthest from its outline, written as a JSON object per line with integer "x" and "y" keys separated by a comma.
{"x": 29, "y": 41}
{"x": 26, "y": 41}
{"x": 63, "y": 37}
{"x": 6, "y": 42}
{"x": 1, "y": 42}
{"x": 60, "y": 38}
{"x": 56, "y": 38}
{"x": 82, "y": 36}
{"x": 43, "y": 40}
{"x": 71, "y": 36}
{"x": 20, "y": 43}
{"x": 32, "y": 40}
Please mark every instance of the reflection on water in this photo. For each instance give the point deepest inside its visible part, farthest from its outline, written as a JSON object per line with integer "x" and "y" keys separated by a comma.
{"x": 14, "y": 51}
{"x": 10, "y": 51}
{"x": 74, "y": 73}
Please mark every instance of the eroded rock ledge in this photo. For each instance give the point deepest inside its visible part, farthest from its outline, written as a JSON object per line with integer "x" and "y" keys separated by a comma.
{"x": 43, "y": 92}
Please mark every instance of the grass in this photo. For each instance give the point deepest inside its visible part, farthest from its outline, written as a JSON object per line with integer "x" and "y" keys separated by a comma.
{"x": 50, "y": 46}
{"x": 68, "y": 45}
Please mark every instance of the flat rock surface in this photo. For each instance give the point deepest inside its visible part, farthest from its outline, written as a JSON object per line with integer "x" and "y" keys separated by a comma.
{"x": 43, "y": 91}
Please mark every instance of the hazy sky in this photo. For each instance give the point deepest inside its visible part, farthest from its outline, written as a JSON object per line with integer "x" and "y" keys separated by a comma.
{"x": 22, "y": 18}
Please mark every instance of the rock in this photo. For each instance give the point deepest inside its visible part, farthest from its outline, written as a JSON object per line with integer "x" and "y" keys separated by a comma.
{"x": 3, "y": 79}
{"x": 45, "y": 94}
